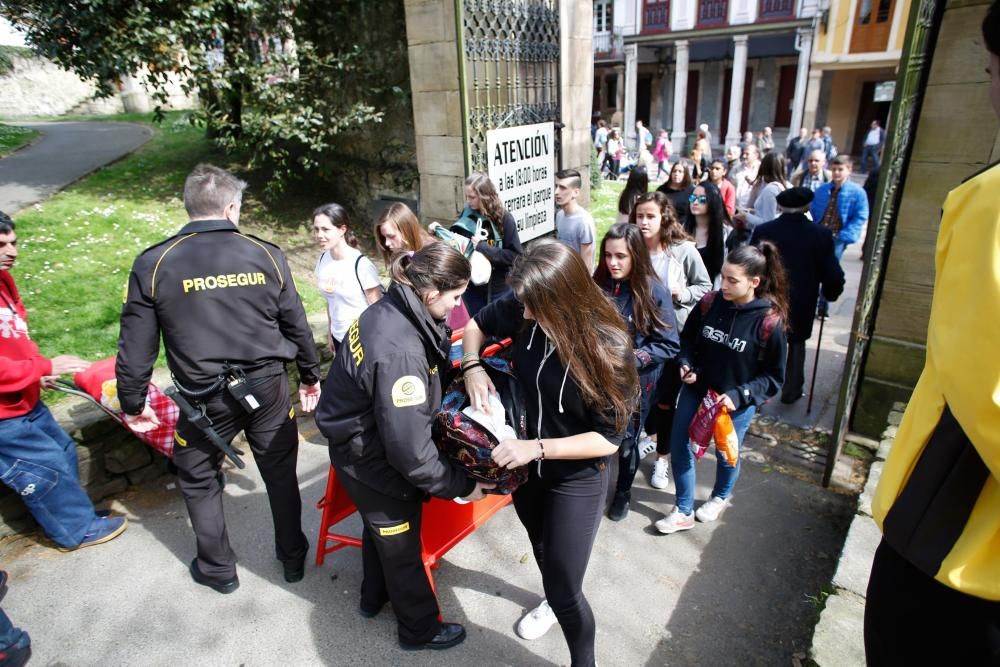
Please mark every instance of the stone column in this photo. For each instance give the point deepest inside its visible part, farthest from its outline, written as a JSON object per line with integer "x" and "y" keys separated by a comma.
{"x": 619, "y": 95}
{"x": 805, "y": 39}
{"x": 577, "y": 89}
{"x": 736, "y": 91}
{"x": 678, "y": 133}
{"x": 814, "y": 82}
{"x": 631, "y": 65}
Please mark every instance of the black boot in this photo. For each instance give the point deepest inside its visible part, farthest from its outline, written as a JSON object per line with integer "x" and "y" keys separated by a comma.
{"x": 619, "y": 506}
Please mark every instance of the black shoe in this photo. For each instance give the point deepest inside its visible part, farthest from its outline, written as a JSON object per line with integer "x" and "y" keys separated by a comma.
{"x": 370, "y": 612}
{"x": 448, "y": 635}
{"x": 619, "y": 507}
{"x": 788, "y": 400}
{"x": 294, "y": 569}
{"x": 224, "y": 586}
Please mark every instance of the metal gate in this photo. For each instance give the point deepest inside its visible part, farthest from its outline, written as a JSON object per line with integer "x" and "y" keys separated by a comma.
{"x": 509, "y": 69}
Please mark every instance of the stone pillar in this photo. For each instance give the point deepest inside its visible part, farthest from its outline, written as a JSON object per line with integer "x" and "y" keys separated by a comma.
{"x": 576, "y": 71}
{"x": 736, "y": 91}
{"x": 805, "y": 39}
{"x": 631, "y": 65}
{"x": 811, "y": 106}
{"x": 678, "y": 133}
{"x": 655, "y": 104}
{"x": 437, "y": 108}
{"x": 616, "y": 117}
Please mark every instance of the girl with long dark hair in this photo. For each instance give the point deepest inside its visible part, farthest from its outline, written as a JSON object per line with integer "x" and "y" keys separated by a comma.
{"x": 626, "y": 275}
{"x": 737, "y": 348}
{"x": 680, "y": 268}
{"x": 636, "y": 185}
{"x": 769, "y": 184}
{"x": 677, "y": 188}
{"x": 707, "y": 225}
{"x": 347, "y": 279}
{"x": 577, "y": 370}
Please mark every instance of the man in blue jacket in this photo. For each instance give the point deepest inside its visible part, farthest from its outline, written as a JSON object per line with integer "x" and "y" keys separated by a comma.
{"x": 841, "y": 206}
{"x": 807, "y": 255}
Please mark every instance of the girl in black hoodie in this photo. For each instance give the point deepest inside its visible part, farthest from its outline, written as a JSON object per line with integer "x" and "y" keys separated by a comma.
{"x": 733, "y": 342}
{"x": 574, "y": 360}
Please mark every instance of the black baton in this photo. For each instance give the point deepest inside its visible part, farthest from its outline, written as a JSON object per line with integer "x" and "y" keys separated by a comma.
{"x": 203, "y": 423}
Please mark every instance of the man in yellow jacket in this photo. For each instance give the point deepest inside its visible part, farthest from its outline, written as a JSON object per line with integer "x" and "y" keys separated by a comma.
{"x": 934, "y": 592}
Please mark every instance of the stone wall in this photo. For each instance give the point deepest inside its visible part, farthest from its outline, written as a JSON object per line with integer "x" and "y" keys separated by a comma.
{"x": 957, "y": 136}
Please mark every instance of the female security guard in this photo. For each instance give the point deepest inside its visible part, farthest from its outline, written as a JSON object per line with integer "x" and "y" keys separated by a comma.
{"x": 383, "y": 394}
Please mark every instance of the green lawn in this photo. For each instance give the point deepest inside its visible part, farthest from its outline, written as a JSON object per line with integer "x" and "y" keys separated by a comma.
{"x": 604, "y": 205}
{"x": 12, "y": 138}
{"x": 77, "y": 247}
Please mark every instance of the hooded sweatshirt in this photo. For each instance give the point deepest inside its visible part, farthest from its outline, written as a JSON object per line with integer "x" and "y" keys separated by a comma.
{"x": 21, "y": 364}
{"x": 553, "y": 401}
{"x": 724, "y": 348}
{"x": 651, "y": 349}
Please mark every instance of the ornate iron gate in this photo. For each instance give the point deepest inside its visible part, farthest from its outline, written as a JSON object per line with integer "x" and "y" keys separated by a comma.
{"x": 509, "y": 68}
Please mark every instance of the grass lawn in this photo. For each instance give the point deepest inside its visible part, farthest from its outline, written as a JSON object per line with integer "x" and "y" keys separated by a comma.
{"x": 604, "y": 205}
{"x": 12, "y": 138}
{"x": 78, "y": 246}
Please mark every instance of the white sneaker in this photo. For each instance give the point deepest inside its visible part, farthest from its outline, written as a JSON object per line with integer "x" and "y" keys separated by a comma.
{"x": 660, "y": 479}
{"x": 711, "y": 510}
{"x": 675, "y": 521}
{"x": 536, "y": 622}
{"x": 646, "y": 445}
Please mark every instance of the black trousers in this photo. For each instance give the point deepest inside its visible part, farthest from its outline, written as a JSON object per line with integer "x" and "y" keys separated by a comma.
{"x": 628, "y": 452}
{"x": 391, "y": 563}
{"x": 795, "y": 372}
{"x": 912, "y": 619}
{"x": 274, "y": 441}
{"x": 562, "y": 518}
{"x": 662, "y": 412}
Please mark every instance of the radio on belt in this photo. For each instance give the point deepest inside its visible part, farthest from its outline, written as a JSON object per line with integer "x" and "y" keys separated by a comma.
{"x": 239, "y": 388}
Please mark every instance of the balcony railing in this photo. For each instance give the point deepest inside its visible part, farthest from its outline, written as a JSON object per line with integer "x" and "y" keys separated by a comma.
{"x": 713, "y": 12}
{"x": 608, "y": 45}
{"x": 771, "y": 10}
{"x": 656, "y": 17}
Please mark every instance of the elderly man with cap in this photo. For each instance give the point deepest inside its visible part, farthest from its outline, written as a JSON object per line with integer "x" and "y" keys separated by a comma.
{"x": 807, "y": 253}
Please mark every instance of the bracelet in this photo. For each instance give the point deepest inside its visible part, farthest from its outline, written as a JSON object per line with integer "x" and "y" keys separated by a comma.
{"x": 541, "y": 450}
{"x": 471, "y": 365}
{"x": 470, "y": 355}
{"x": 478, "y": 369}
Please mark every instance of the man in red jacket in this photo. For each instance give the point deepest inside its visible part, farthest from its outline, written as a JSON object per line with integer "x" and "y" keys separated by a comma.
{"x": 38, "y": 458}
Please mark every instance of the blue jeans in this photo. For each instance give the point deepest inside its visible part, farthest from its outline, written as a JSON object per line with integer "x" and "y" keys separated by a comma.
{"x": 38, "y": 461}
{"x": 9, "y": 635}
{"x": 869, "y": 152}
{"x": 838, "y": 248}
{"x": 682, "y": 458}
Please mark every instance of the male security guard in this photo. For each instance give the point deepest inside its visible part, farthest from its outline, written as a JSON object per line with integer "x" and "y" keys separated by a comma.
{"x": 231, "y": 319}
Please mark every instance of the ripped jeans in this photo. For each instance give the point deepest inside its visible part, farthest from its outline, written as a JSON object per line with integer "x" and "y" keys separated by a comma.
{"x": 38, "y": 461}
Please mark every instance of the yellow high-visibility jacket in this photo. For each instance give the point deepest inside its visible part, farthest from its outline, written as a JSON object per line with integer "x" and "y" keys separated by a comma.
{"x": 938, "y": 501}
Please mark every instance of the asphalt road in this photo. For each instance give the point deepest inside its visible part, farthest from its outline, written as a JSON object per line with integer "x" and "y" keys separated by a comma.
{"x": 738, "y": 592}
{"x": 65, "y": 153}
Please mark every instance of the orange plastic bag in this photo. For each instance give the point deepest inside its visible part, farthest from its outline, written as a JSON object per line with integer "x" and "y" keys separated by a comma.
{"x": 702, "y": 427}
{"x": 727, "y": 445}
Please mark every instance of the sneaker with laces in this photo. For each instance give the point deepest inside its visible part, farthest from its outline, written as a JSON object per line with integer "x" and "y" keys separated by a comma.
{"x": 646, "y": 445}
{"x": 660, "y": 479}
{"x": 536, "y": 622}
{"x": 711, "y": 510}
{"x": 675, "y": 521}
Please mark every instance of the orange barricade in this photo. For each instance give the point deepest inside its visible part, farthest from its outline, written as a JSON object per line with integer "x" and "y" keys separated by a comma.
{"x": 445, "y": 523}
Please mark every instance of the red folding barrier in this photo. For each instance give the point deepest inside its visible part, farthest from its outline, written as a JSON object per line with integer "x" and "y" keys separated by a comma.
{"x": 445, "y": 523}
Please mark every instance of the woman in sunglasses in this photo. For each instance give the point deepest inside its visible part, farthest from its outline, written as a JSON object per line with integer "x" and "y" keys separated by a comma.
{"x": 708, "y": 225}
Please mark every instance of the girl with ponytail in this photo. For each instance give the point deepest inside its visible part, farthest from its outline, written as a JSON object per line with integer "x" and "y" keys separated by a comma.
{"x": 347, "y": 279}
{"x": 733, "y": 343}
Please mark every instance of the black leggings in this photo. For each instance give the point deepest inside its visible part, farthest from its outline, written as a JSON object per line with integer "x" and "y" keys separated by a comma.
{"x": 561, "y": 518}
{"x": 663, "y": 417}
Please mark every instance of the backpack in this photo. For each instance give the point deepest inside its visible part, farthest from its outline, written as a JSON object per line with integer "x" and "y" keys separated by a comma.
{"x": 771, "y": 320}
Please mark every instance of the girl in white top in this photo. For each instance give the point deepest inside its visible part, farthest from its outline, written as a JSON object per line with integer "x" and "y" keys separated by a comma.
{"x": 347, "y": 279}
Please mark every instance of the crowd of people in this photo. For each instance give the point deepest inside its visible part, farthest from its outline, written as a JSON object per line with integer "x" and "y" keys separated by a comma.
{"x": 704, "y": 287}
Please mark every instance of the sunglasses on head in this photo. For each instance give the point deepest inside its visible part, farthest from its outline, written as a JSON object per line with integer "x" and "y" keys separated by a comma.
{"x": 700, "y": 199}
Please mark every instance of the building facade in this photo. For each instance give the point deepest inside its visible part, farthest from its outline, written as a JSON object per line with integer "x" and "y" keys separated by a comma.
{"x": 741, "y": 65}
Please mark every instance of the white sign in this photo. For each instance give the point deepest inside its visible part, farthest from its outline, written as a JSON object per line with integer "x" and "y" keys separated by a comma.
{"x": 522, "y": 165}
{"x": 885, "y": 91}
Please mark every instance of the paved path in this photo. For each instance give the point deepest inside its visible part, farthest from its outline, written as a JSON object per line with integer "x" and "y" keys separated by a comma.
{"x": 65, "y": 153}
{"x": 732, "y": 593}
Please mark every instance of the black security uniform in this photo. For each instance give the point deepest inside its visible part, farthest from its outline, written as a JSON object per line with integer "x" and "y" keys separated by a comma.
{"x": 377, "y": 406}
{"x": 222, "y": 297}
